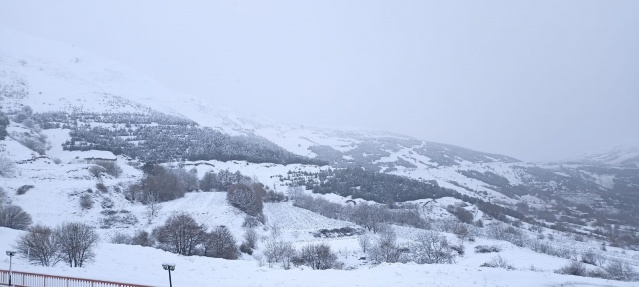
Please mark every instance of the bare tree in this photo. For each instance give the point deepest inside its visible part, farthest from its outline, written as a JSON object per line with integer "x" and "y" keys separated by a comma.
{"x": 245, "y": 198}
{"x": 386, "y": 249}
{"x": 288, "y": 252}
{"x": 432, "y": 248}
{"x": 364, "y": 242}
{"x": 4, "y": 199}
{"x": 621, "y": 270}
{"x": 369, "y": 216}
{"x": 208, "y": 181}
{"x": 76, "y": 241}
{"x": 7, "y": 167}
{"x": 162, "y": 184}
{"x": 220, "y": 243}
{"x": 12, "y": 216}
{"x": 153, "y": 207}
{"x": 295, "y": 192}
{"x": 250, "y": 237}
{"x": 318, "y": 256}
{"x": 180, "y": 234}
{"x": 39, "y": 246}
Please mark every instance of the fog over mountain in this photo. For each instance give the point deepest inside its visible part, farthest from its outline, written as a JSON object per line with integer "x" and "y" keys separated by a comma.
{"x": 535, "y": 80}
{"x": 109, "y": 171}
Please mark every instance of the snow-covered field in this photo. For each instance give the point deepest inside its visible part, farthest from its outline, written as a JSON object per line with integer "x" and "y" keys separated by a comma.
{"x": 142, "y": 265}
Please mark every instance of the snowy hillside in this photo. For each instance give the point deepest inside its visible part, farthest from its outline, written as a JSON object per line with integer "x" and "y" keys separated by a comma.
{"x": 624, "y": 156}
{"x": 92, "y": 141}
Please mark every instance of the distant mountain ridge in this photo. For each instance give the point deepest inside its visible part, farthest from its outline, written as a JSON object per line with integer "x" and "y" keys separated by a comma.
{"x": 623, "y": 156}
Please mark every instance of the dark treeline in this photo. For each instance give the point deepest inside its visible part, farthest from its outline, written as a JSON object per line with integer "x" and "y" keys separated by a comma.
{"x": 161, "y": 138}
{"x": 388, "y": 188}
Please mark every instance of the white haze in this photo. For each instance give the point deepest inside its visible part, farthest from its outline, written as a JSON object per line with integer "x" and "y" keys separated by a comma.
{"x": 536, "y": 80}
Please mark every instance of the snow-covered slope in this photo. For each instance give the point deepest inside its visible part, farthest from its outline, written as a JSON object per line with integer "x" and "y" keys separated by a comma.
{"x": 624, "y": 156}
{"x": 76, "y": 85}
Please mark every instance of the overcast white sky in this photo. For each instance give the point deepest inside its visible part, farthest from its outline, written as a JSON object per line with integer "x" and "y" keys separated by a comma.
{"x": 537, "y": 80}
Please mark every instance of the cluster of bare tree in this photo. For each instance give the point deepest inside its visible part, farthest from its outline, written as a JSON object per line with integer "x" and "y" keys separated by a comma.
{"x": 162, "y": 184}
{"x": 222, "y": 180}
{"x": 105, "y": 166}
{"x": 370, "y": 216}
{"x": 428, "y": 247}
{"x": 181, "y": 234}
{"x": 72, "y": 243}
{"x": 247, "y": 197}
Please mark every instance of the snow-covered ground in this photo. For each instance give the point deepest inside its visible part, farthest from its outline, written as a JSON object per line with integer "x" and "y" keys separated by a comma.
{"x": 142, "y": 265}
{"x": 54, "y": 200}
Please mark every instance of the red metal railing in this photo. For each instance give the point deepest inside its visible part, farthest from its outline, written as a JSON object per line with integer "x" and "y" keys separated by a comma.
{"x": 24, "y": 279}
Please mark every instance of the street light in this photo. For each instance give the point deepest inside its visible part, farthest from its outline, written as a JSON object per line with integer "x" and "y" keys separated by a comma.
{"x": 166, "y": 266}
{"x": 10, "y": 253}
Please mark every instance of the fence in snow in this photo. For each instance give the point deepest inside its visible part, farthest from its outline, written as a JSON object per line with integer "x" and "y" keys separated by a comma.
{"x": 24, "y": 279}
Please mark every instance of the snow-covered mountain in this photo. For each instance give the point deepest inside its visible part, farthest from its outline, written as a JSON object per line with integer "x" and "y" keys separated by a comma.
{"x": 69, "y": 108}
{"x": 622, "y": 156}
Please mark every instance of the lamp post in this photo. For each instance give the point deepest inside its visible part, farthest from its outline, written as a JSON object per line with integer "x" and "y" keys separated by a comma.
{"x": 169, "y": 267}
{"x": 10, "y": 253}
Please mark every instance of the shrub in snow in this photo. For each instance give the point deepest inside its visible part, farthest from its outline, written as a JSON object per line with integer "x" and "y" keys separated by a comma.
{"x": 76, "y": 242}
{"x": 40, "y": 246}
{"x": 105, "y": 166}
{"x": 101, "y": 187}
{"x": 107, "y": 203}
{"x": 506, "y": 233}
{"x": 7, "y": 167}
{"x": 621, "y": 270}
{"x": 220, "y": 243}
{"x": 13, "y": 216}
{"x": 86, "y": 201}
{"x": 573, "y": 268}
{"x": 244, "y": 248}
{"x": 34, "y": 141}
{"x": 277, "y": 251}
{"x": 4, "y": 199}
{"x": 462, "y": 214}
{"x": 251, "y": 222}
{"x": 487, "y": 249}
{"x": 123, "y": 218}
{"x": 364, "y": 242}
{"x": 593, "y": 258}
{"x": 385, "y": 248}
{"x": 274, "y": 196}
{"x": 338, "y": 232}
{"x": 142, "y": 238}
{"x": 4, "y": 122}
{"x": 120, "y": 238}
{"x": 23, "y": 189}
{"x": 460, "y": 249}
{"x": 498, "y": 262}
{"x": 250, "y": 238}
